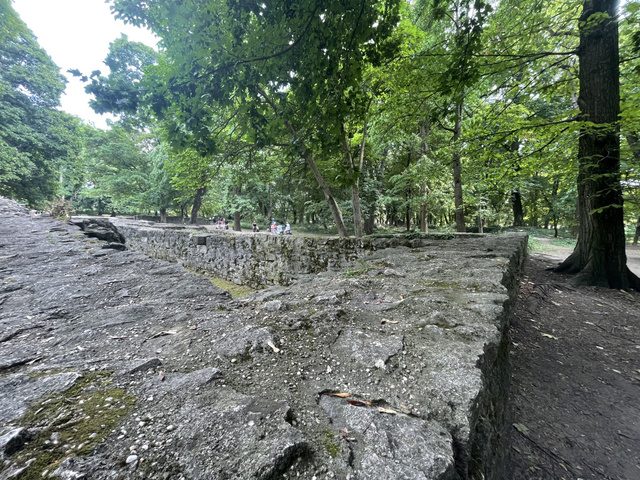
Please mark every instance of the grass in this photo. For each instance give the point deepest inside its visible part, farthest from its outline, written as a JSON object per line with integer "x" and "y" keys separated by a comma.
{"x": 235, "y": 290}
{"x": 536, "y": 245}
{"x": 564, "y": 242}
{"x": 356, "y": 272}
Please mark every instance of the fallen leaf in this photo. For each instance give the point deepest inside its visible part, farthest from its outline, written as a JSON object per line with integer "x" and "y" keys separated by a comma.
{"x": 359, "y": 403}
{"x": 273, "y": 347}
{"x": 161, "y": 376}
{"x": 521, "y": 428}
{"x": 341, "y": 395}
{"x": 549, "y": 336}
{"x": 163, "y": 333}
{"x": 386, "y": 320}
{"x": 192, "y": 327}
{"x": 378, "y": 303}
{"x": 387, "y": 410}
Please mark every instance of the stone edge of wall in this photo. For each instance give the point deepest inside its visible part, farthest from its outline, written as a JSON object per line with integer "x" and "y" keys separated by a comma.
{"x": 488, "y": 446}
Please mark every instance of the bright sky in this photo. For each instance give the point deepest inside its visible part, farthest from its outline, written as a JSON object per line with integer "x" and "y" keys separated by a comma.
{"x": 76, "y": 34}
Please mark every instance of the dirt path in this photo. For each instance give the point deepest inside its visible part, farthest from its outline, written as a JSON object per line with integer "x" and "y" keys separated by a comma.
{"x": 575, "y": 409}
{"x": 557, "y": 253}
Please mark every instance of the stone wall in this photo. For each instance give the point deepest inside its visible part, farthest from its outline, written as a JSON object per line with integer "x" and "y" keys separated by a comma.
{"x": 176, "y": 220}
{"x": 447, "y": 300}
{"x": 256, "y": 260}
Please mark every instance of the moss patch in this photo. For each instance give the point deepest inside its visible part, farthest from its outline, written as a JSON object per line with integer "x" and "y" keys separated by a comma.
{"x": 440, "y": 284}
{"x": 236, "y": 291}
{"x": 72, "y": 423}
{"x": 328, "y": 440}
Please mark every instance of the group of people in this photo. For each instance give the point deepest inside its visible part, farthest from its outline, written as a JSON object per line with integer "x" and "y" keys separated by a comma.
{"x": 220, "y": 223}
{"x": 275, "y": 228}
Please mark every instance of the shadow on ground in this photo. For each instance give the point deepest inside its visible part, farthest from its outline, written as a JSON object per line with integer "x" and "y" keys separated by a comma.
{"x": 575, "y": 380}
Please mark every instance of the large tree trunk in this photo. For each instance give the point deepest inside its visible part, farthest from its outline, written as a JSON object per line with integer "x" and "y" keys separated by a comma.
{"x": 197, "y": 203}
{"x": 637, "y": 234}
{"x": 599, "y": 257}
{"x": 370, "y": 221}
{"x": 518, "y": 211}
{"x": 457, "y": 173}
{"x": 163, "y": 215}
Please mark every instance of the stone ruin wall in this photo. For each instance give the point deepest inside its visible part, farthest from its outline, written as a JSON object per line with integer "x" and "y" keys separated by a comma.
{"x": 263, "y": 259}
{"x": 256, "y": 260}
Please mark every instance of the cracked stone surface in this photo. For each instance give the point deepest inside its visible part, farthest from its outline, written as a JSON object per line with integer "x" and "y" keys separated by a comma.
{"x": 414, "y": 344}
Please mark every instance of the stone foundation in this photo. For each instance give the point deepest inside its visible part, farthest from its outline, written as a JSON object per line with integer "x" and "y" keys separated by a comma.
{"x": 393, "y": 366}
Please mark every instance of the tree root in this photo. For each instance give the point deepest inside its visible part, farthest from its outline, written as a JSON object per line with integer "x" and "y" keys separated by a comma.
{"x": 586, "y": 276}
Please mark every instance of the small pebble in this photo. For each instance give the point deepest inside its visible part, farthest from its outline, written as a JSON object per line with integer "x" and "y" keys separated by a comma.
{"x": 132, "y": 458}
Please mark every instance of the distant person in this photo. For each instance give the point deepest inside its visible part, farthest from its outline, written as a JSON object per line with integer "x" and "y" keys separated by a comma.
{"x": 255, "y": 226}
{"x": 226, "y": 224}
{"x": 279, "y": 229}
{"x": 287, "y": 229}
{"x": 273, "y": 227}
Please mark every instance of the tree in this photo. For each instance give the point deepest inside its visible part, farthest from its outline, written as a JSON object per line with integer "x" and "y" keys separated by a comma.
{"x": 287, "y": 71}
{"x": 120, "y": 168}
{"x": 119, "y": 91}
{"x": 599, "y": 257}
{"x": 36, "y": 140}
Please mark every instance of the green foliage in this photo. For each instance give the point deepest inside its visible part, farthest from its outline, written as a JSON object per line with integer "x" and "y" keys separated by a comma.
{"x": 120, "y": 91}
{"x": 36, "y": 141}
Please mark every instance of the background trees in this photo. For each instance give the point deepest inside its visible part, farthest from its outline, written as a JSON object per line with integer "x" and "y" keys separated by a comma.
{"x": 35, "y": 139}
{"x": 351, "y": 116}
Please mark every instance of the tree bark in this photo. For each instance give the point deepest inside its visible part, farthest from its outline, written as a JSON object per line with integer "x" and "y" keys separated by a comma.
{"x": 333, "y": 205}
{"x": 355, "y": 187}
{"x": 637, "y": 234}
{"x": 424, "y": 188}
{"x": 163, "y": 215}
{"x": 197, "y": 203}
{"x": 236, "y": 215}
{"x": 599, "y": 257}
{"x": 424, "y": 208}
{"x": 518, "y": 211}
{"x": 457, "y": 173}
{"x": 634, "y": 145}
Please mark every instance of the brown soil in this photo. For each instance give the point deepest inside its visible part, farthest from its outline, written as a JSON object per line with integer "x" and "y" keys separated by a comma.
{"x": 575, "y": 398}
